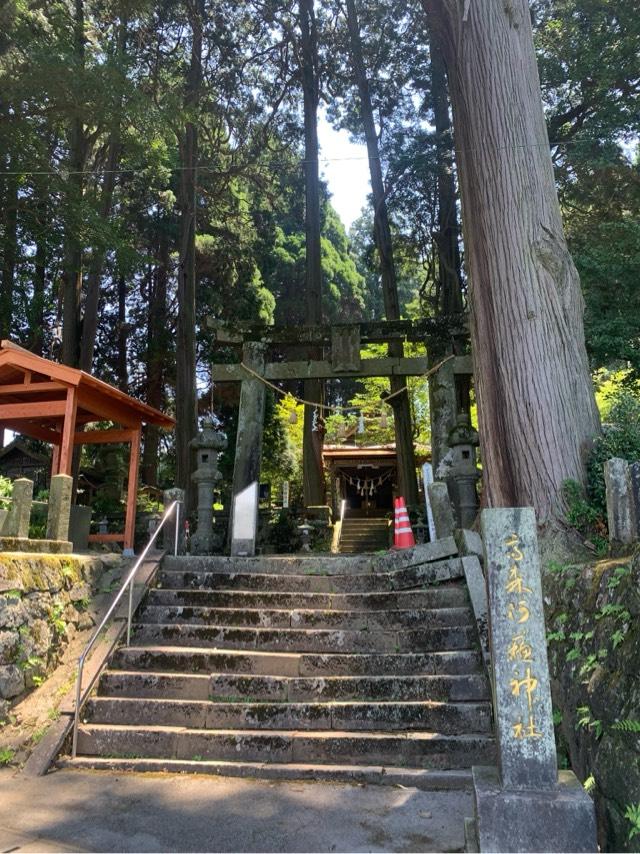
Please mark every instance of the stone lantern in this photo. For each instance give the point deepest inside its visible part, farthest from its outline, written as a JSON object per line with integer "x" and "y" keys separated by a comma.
{"x": 208, "y": 443}
{"x": 463, "y": 474}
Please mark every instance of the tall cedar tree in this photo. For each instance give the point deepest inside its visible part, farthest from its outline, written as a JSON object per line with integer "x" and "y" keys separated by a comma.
{"x": 536, "y": 407}
{"x": 407, "y": 482}
{"x": 313, "y": 470}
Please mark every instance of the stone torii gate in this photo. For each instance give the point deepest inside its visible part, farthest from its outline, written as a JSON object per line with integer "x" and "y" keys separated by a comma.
{"x": 344, "y": 342}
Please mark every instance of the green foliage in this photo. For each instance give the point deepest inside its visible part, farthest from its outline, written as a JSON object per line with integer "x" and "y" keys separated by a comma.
{"x": 586, "y": 721}
{"x": 627, "y": 725}
{"x": 7, "y": 755}
{"x": 6, "y": 489}
{"x": 632, "y": 814}
{"x": 589, "y": 784}
{"x": 284, "y": 535}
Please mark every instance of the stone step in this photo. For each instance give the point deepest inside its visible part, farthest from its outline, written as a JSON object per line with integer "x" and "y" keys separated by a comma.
{"x": 416, "y": 576}
{"x": 415, "y": 749}
{"x": 324, "y": 564}
{"x": 388, "y": 716}
{"x": 205, "y": 660}
{"x": 468, "y": 687}
{"x": 418, "y": 778}
{"x": 305, "y": 640}
{"x": 451, "y": 595}
{"x": 305, "y": 618}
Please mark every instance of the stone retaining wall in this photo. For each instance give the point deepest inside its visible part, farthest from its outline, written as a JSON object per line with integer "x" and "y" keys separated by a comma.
{"x": 43, "y": 601}
{"x": 593, "y": 630}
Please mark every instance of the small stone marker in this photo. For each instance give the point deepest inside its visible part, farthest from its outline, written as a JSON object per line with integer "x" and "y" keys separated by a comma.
{"x": 524, "y": 804}
{"x": 17, "y": 521}
{"x": 427, "y": 478}
{"x": 59, "y": 513}
{"x": 245, "y": 521}
{"x": 443, "y": 520}
{"x": 620, "y": 504}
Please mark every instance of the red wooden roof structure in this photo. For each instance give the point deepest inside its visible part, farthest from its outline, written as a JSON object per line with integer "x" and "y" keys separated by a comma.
{"x": 49, "y": 401}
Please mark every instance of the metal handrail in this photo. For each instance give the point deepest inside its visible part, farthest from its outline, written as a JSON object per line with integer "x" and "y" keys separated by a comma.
{"x": 81, "y": 697}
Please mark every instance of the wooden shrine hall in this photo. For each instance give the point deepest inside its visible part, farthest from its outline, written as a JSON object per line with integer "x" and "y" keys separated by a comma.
{"x": 54, "y": 403}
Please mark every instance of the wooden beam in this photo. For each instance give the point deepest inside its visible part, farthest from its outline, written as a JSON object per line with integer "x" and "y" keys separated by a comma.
{"x": 103, "y": 437}
{"x": 132, "y": 489}
{"x": 55, "y": 460}
{"x": 41, "y": 409}
{"x": 68, "y": 431}
{"x": 32, "y": 388}
{"x": 106, "y": 538}
{"x": 36, "y": 431}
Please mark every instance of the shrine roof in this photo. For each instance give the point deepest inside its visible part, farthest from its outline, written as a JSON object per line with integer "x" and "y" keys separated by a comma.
{"x": 27, "y": 379}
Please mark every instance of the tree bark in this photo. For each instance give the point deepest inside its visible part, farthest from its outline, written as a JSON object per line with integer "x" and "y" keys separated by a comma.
{"x": 92, "y": 297}
{"x": 186, "y": 397}
{"x": 122, "y": 372}
{"x": 443, "y": 401}
{"x": 407, "y": 481}
{"x": 156, "y": 356}
{"x": 536, "y": 407}
{"x": 72, "y": 269}
{"x": 313, "y": 471}
{"x": 9, "y": 254}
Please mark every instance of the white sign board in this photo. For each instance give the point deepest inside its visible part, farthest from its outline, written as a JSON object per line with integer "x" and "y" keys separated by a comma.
{"x": 427, "y": 478}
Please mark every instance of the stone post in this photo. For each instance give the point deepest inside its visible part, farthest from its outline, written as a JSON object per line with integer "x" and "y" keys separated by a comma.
{"x": 60, "y": 491}
{"x": 621, "y": 514}
{"x": 17, "y": 521}
{"x": 207, "y": 443}
{"x": 168, "y": 533}
{"x": 441, "y": 509}
{"x": 524, "y": 804}
{"x": 243, "y": 520}
{"x": 463, "y": 475}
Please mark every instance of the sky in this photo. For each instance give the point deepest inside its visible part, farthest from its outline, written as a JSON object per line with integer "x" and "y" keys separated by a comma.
{"x": 345, "y": 170}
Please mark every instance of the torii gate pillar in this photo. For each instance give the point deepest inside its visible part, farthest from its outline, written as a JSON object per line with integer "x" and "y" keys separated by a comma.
{"x": 243, "y": 522}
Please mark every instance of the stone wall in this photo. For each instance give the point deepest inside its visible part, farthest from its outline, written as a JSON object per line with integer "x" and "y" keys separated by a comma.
{"x": 43, "y": 601}
{"x": 593, "y": 630}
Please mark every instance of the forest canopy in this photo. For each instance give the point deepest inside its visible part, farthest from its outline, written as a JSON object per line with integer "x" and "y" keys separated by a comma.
{"x": 147, "y": 148}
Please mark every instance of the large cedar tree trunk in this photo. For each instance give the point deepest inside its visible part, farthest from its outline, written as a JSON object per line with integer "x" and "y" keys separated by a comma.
{"x": 313, "y": 472}
{"x": 444, "y": 403}
{"x": 407, "y": 481}
{"x": 72, "y": 270}
{"x": 157, "y": 345}
{"x": 536, "y": 407}
{"x": 186, "y": 398}
{"x": 92, "y": 297}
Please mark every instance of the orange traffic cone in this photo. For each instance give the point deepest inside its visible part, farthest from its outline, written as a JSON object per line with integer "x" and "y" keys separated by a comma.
{"x": 403, "y": 535}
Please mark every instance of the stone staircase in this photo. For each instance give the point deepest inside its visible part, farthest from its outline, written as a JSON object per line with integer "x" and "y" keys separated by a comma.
{"x": 314, "y": 668}
{"x": 361, "y": 534}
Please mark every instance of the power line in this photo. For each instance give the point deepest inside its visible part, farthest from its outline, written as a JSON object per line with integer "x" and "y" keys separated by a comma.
{"x": 67, "y": 173}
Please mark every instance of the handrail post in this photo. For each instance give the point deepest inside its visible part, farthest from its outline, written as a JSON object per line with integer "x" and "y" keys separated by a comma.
{"x": 177, "y": 534}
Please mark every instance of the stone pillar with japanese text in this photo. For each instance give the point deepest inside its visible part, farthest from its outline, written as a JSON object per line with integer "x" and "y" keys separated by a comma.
{"x": 525, "y": 803}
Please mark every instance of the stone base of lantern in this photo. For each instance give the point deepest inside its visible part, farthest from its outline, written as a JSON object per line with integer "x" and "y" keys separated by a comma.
{"x": 559, "y": 819}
